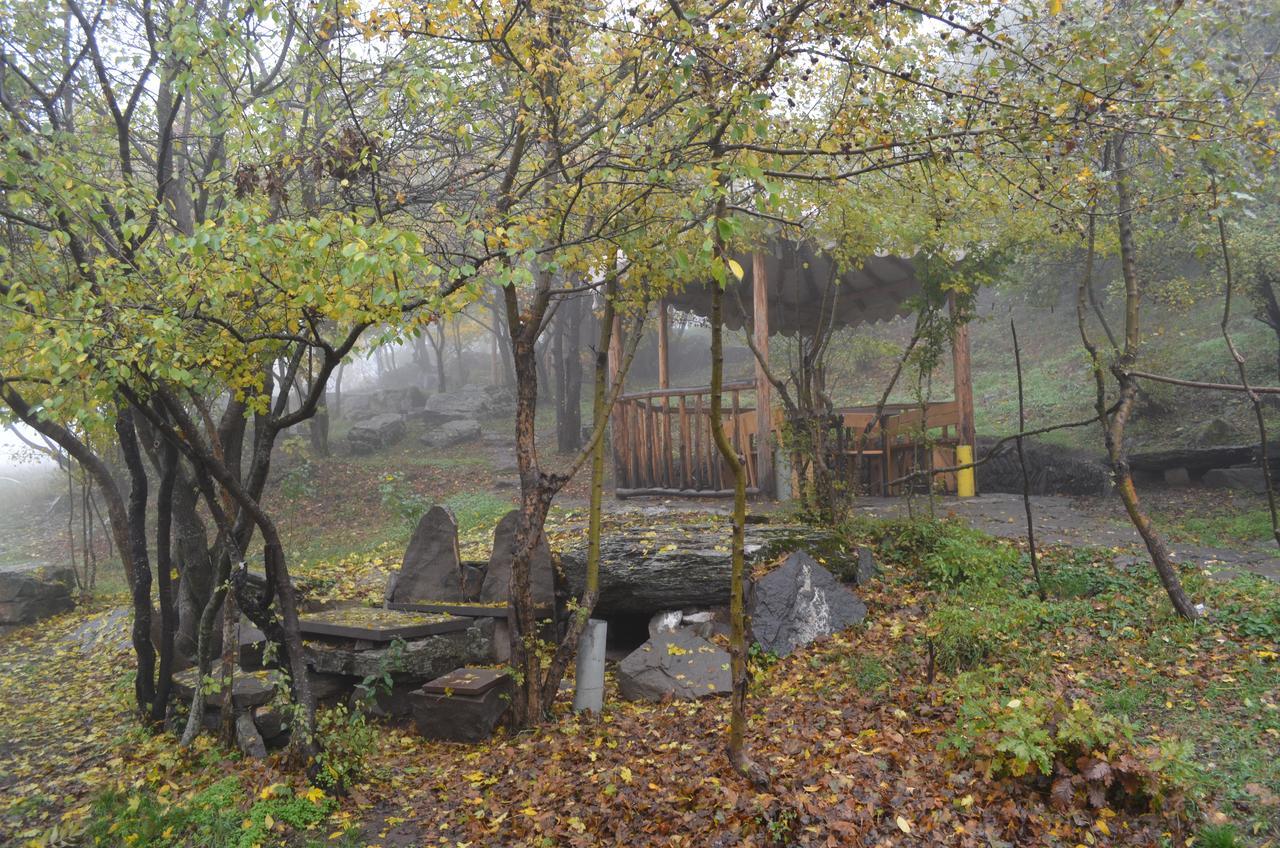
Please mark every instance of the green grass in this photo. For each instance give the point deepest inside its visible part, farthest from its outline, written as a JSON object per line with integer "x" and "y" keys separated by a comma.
{"x": 1201, "y": 693}
{"x": 478, "y": 511}
{"x": 1225, "y": 529}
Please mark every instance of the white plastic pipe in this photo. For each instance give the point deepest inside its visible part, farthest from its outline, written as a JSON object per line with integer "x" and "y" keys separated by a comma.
{"x": 588, "y": 691}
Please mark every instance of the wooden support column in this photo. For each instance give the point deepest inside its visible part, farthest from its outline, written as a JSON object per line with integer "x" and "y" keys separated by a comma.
{"x": 617, "y": 417}
{"x": 664, "y": 361}
{"x": 764, "y": 389}
{"x": 963, "y": 377}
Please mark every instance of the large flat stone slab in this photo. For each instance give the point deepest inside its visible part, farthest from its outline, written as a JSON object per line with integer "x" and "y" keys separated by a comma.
{"x": 665, "y": 566}
{"x": 249, "y": 689}
{"x": 368, "y": 624}
{"x": 424, "y": 659}
{"x": 677, "y": 665}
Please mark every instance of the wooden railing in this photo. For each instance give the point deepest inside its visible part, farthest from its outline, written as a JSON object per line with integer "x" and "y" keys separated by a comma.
{"x": 663, "y": 442}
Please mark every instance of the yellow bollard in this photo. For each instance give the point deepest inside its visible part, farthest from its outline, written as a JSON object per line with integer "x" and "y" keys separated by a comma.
{"x": 964, "y": 477}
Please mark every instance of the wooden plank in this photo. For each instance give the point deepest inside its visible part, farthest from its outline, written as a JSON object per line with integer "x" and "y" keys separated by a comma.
{"x": 668, "y": 448}
{"x": 764, "y": 389}
{"x": 743, "y": 385}
{"x": 698, "y": 474}
{"x": 685, "y": 476}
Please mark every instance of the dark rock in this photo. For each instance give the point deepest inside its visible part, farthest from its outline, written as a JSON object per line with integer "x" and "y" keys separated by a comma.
{"x": 452, "y": 433}
{"x": 799, "y": 602}
{"x": 421, "y": 659}
{"x": 248, "y": 688}
{"x": 683, "y": 565}
{"x": 1246, "y": 479}
{"x": 376, "y": 433}
{"x": 497, "y": 577}
{"x": 678, "y": 665}
{"x": 866, "y": 570}
{"x": 1177, "y": 477}
{"x": 32, "y": 591}
{"x": 1197, "y": 461}
{"x": 270, "y": 723}
{"x": 458, "y": 717}
{"x": 247, "y": 737}
{"x": 386, "y": 703}
{"x": 1051, "y": 469}
{"x": 469, "y": 402}
{"x": 473, "y": 579}
{"x": 432, "y": 567}
{"x": 329, "y": 689}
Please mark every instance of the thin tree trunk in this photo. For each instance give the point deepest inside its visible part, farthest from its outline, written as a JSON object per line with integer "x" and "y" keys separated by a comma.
{"x": 1114, "y": 426}
{"x": 738, "y": 756}
{"x": 144, "y": 681}
{"x": 1022, "y": 461}
{"x": 1255, "y": 399}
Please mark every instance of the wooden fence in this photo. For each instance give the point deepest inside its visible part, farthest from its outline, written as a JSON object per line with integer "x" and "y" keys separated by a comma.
{"x": 663, "y": 442}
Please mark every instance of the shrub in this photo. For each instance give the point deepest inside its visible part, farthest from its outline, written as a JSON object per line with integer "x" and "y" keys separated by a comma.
{"x": 968, "y": 631}
{"x": 214, "y": 817}
{"x": 963, "y": 556}
{"x": 1091, "y": 756}
{"x": 346, "y": 741}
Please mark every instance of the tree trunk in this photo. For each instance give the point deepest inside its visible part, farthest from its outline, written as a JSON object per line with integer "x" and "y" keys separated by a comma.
{"x": 738, "y": 756}
{"x": 164, "y": 571}
{"x": 144, "y": 681}
{"x": 569, "y": 422}
{"x": 1114, "y": 429}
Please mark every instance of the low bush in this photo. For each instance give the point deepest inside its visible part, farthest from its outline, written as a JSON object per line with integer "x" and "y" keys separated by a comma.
{"x": 223, "y": 815}
{"x": 1086, "y": 757}
{"x": 986, "y": 625}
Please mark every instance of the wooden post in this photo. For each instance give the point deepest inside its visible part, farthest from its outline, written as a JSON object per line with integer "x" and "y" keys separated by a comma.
{"x": 764, "y": 390}
{"x": 963, "y": 377}
{"x": 617, "y": 418}
{"x": 664, "y": 369}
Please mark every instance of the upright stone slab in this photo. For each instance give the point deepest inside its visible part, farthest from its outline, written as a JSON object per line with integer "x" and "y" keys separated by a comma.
{"x": 432, "y": 567}
{"x": 497, "y": 578}
{"x": 677, "y": 664}
{"x": 799, "y": 602}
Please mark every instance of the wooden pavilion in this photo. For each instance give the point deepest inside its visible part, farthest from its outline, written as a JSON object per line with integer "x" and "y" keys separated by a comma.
{"x": 662, "y": 441}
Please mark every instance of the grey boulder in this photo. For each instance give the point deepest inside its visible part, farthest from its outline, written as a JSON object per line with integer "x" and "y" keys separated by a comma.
{"x": 799, "y": 602}
{"x": 376, "y": 433}
{"x": 32, "y": 591}
{"x": 1245, "y": 478}
{"x": 676, "y": 665}
{"x": 452, "y": 433}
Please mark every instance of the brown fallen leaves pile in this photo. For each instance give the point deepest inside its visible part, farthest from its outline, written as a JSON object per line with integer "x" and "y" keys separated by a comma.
{"x": 852, "y": 759}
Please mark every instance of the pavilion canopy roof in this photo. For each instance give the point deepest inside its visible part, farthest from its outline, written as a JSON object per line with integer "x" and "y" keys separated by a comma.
{"x": 801, "y": 292}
